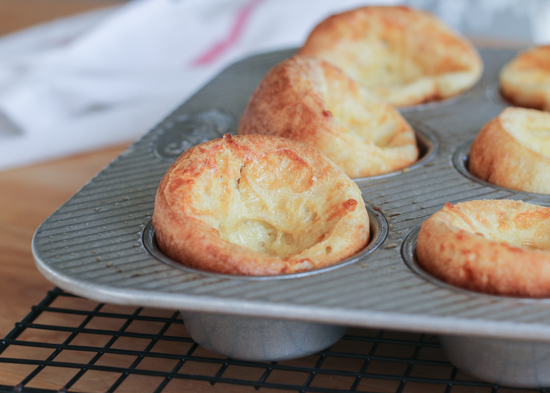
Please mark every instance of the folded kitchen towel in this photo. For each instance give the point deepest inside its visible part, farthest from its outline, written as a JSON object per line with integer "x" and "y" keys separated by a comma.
{"x": 107, "y": 77}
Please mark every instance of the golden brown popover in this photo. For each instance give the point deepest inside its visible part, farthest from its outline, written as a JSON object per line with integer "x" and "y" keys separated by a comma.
{"x": 497, "y": 247}
{"x": 525, "y": 81}
{"x": 309, "y": 100}
{"x": 513, "y": 151}
{"x": 404, "y": 56}
{"x": 258, "y": 205}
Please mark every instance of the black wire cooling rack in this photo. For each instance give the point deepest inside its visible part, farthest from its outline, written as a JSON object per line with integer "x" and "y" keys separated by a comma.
{"x": 69, "y": 344}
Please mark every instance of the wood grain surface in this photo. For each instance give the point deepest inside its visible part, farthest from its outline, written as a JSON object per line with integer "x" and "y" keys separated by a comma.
{"x": 28, "y": 195}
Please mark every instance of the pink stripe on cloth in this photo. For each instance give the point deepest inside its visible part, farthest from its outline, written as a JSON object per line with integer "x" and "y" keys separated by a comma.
{"x": 219, "y": 48}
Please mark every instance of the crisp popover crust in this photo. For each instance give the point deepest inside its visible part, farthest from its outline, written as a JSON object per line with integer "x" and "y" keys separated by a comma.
{"x": 308, "y": 100}
{"x": 258, "y": 205}
{"x": 525, "y": 81}
{"x": 492, "y": 246}
{"x": 404, "y": 56}
{"x": 513, "y": 151}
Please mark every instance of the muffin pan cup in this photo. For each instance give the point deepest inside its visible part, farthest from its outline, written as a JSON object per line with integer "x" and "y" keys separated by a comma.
{"x": 523, "y": 364}
{"x": 96, "y": 245}
{"x": 264, "y": 339}
{"x": 259, "y": 339}
{"x": 512, "y": 362}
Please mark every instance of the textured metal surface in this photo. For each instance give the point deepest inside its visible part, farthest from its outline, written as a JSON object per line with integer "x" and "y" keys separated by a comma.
{"x": 92, "y": 245}
{"x": 259, "y": 339}
{"x": 506, "y": 362}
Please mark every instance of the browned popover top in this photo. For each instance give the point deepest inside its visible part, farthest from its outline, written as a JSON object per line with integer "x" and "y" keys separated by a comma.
{"x": 492, "y": 246}
{"x": 258, "y": 205}
{"x": 404, "y": 56}
{"x": 311, "y": 101}
{"x": 525, "y": 81}
{"x": 513, "y": 151}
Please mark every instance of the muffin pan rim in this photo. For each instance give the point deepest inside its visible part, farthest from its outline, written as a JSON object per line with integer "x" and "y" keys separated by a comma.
{"x": 408, "y": 250}
{"x": 378, "y": 231}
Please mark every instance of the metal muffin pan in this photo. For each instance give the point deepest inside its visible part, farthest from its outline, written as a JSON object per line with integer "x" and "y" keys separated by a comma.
{"x": 94, "y": 244}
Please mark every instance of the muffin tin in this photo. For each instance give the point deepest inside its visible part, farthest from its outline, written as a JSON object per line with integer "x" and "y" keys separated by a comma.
{"x": 100, "y": 245}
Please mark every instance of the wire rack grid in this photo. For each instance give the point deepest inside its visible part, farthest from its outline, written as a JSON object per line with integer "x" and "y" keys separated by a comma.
{"x": 70, "y": 344}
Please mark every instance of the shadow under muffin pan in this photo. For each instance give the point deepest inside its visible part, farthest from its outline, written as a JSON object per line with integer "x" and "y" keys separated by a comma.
{"x": 93, "y": 245}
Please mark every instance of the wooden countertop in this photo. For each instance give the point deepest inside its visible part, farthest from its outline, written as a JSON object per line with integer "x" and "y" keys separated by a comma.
{"x": 30, "y": 194}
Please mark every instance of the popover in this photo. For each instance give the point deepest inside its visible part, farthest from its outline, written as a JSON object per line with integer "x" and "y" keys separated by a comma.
{"x": 525, "y": 81}
{"x": 499, "y": 247}
{"x": 403, "y": 56}
{"x": 311, "y": 101}
{"x": 513, "y": 151}
{"x": 258, "y": 205}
